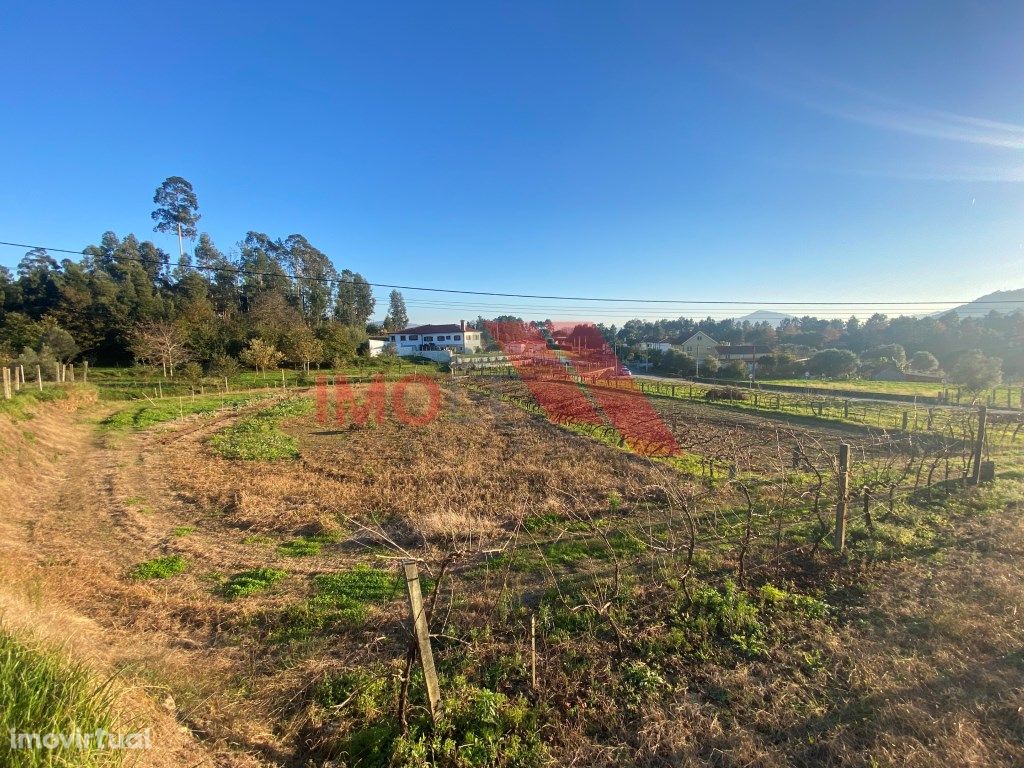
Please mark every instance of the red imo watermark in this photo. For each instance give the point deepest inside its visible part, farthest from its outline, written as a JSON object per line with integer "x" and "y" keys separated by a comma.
{"x": 576, "y": 378}
{"x": 415, "y": 400}
{"x": 568, "y": 368}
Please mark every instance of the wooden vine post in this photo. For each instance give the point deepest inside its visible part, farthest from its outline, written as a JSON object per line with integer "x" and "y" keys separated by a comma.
{"x": 39, "y": 377}
{"x": 7, "y": 383}
{"x": 422, "y": 633}
{"x": 844, "y": 497}
{"x": 533, "y": 651}
{"x": 979, "y": 445}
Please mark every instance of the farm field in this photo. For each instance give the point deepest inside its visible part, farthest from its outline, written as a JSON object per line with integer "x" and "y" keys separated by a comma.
{"x": 925, "y": 388}
{"x": 236, "y": 561}
{"x": 910, "y": 388}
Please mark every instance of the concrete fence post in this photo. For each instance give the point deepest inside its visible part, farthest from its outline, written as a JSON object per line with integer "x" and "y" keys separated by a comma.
{"x": 7, "y": 383}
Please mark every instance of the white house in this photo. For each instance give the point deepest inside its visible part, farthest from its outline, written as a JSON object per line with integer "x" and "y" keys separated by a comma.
{"x": 435, "y": 338}
{"x": 661, "y": 346}
{"x": 376, "y": 344}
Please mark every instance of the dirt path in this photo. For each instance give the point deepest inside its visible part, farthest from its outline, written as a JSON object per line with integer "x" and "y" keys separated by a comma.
{"x": 66, "y": 549}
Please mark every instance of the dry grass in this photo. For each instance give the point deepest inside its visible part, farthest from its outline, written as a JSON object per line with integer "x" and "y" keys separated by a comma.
{"x": 919, "y": 664}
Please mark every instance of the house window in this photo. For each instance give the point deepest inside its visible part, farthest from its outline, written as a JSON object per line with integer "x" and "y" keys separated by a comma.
{"x": 403, "y": 338}
{"x": 428, "y": 338}
{"x": 458, "y": 337}
{"x": 414, "y": 337}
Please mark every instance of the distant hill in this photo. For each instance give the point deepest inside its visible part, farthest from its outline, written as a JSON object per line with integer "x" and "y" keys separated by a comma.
{"x": 1000, "y": 301}
{"x": 765, "y": 316}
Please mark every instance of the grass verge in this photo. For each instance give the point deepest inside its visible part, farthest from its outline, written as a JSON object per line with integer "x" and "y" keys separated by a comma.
{"x": 44, "y": 693}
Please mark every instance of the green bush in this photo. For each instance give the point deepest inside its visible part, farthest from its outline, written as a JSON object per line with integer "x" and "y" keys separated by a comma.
{"x": 477, "y": 728}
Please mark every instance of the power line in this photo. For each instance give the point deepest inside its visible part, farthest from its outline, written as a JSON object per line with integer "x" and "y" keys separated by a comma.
{"x": 695, "y": 302}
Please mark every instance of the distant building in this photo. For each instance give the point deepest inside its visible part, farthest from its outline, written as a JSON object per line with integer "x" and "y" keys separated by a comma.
{"x": 376, "y": 345}
{"x": 747, "y": 353}
{"x": 660, "y": 346}
{"x": 436, "y": 338}
{"x": 700, "y": 347}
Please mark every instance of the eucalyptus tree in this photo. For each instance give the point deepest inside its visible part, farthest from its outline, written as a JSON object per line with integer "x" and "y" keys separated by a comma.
{"x": 177, "y": 209}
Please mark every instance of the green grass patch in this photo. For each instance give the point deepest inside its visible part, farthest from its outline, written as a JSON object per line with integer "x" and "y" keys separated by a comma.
{"x": 22, "y": 405}
{"x": 184, "y": 530}
{"x": 160, "y": 568}
{"x": 43, "y": 692}
{"x": 141, "y": 415}
{"x": 300, "y": 548}
{"x": 362, "y": 583}
{"x": 258, "y": 437}
{"x": 252, "y": 582}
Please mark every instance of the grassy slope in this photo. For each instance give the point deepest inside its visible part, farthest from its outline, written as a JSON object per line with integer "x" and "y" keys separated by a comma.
{"x": 44, "y": 692}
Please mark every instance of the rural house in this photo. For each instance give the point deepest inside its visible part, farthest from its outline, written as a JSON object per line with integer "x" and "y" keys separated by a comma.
{"x": 436, "y": 338}
{"x": 746, "y": 353}
{"x": 700, "y": 347}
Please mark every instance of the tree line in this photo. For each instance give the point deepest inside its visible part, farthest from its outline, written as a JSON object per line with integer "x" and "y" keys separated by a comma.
{"x": 991, "y": 346}
{"x": 271, "y": 300}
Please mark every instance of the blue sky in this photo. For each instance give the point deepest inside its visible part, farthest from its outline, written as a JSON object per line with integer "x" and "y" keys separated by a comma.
{"x": 750, "y": 152}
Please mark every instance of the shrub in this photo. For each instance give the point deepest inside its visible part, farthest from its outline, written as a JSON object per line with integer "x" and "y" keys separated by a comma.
{"x": 724, "y": 393}
{"x": 477, "y": 727}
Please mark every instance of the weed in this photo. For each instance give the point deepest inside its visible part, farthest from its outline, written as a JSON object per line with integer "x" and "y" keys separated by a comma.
{"x": 258, "y": 437}
{"x": 363, "y": 584}
{"x": 253, "y": 581}
{"x": 299, "y": 548}
{"x": 184, "y": 530}
{"x": 153, "y": 412}
{"x": 160, "y": 567}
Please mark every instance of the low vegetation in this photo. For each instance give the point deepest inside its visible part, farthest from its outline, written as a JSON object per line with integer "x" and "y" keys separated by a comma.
{"x": 44, "y": 692}
{"x": 258, "y": 437}
{"x": 153, "y": 412}
{"x": 252, "y": 581}
{"x": 160, "y": 567}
